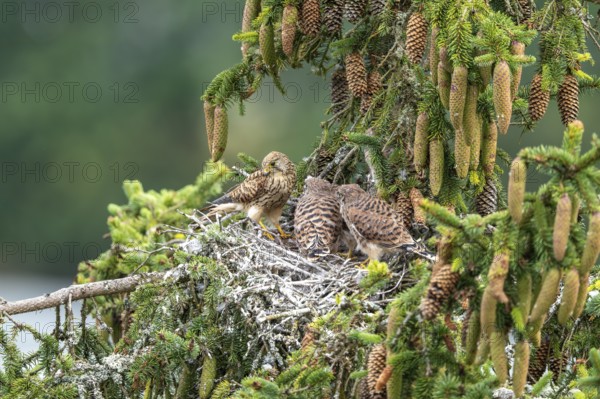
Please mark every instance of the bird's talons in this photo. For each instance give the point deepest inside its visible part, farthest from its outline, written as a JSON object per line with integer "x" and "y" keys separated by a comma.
{"x": 268, "y": 235}
{"x": 266, "y": 232}
{"x": 283, "y": 234}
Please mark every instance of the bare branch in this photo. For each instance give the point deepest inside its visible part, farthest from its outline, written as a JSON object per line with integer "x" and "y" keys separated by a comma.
{"x": 81, "y": 291}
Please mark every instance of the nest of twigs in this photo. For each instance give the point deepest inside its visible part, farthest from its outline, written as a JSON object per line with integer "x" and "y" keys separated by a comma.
{"x": 278, "y": 290}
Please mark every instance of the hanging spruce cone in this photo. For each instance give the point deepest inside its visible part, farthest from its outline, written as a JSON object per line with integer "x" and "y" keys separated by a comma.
{"x": 333, "y": 14}
{"x": 489, "y": 144}
{"x": 355, "y": 9}
{"x": 356, "y": 75}
{"x": 502, "y": 96}
{"x": 546, "y": 297}
{"x": 251, "y": 10}
{"x": 462, "y": 154}
{"x": 421, "y": 142}
{"x": 419, "y": 213}
{"x": 220, "y": 133}
{"x": 498, "y": 355}
{"x": 568, "y": 99}
{"x": 562, "y": 227}
{"x": 458, "y": 96}
{"x": 363, "y": 390}
{"x": 568, "y": 300}
{"x": 416, "y": 37}
{"x": 558, "y": 365}
{"x": 378, "y": 7}
{"x": 288, "y": 29}
{"x": 538, "y": 99}
{"x": 539, "y": 361}
{"x": 444, "y": 78}
{"x": 525, "y": 7}
{"x": 520, "y": 367}
{"x": 436, "y": 165}
{"x": 373, "y": 87}
{"x": 209, "y": 120}
{"x": 517, "y": 179}
{"x": 375, "y": 365}
{"x": 311, "y": 17}
{"x": 591, "y": 250}
{"x": 487, "y": 201}
{"x": 440, "y": 288}
{"x": 472, "y": 335}
{"x": 266, "y": 42}
{"x": 403, "y": 206}
{"x": 323, "y": 159}
{"x": 207, "y": 377}
{"x": 339, "y": 91}
{"x": 517, "y": 48}
{"x": 434, "y": 55}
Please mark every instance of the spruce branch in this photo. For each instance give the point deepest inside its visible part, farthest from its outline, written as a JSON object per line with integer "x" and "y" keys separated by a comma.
{"x": 82, "y": 291}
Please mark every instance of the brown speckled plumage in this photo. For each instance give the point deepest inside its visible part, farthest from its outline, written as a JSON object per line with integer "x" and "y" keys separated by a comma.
{"x": 375, "y": 226}
{"x": 264, "y": 192}
{"x": 317, "y": 220}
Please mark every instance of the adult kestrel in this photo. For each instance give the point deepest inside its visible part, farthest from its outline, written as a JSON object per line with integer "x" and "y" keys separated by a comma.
{"x": 375, "y": 226}
{"x": 263, "y": 193}
{"x": 317, "y": 220}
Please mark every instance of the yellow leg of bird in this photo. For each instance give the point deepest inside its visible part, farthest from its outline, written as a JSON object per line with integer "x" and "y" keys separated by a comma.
{"x": 283, "y": 233}
{"x": 266, "y": 231}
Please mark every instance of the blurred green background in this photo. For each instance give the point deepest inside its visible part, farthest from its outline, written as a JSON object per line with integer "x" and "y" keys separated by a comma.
{"x": 96, "y": 92}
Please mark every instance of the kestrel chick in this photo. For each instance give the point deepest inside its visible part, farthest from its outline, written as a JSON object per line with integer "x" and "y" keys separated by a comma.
{"x": 263, "y": 193}
{"x": 317, "y": 220}
{"x": 375, "y": 226}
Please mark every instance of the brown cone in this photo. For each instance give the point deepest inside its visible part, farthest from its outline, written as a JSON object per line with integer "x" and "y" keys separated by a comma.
{"x": 568, "y": 99}
{"x": 333, "y": 14}
{"x": 538, "y": 361}
{"x": 415, "y": 198}
{"x": 356, "y": 75}
{"x": 355, "y": 9}
{"x": 487, "y": 201}
{"x": 311, "y": 17}
{"x": 339, "y": 91}
{"x": 375, "y": 365}
{"x": 416, "y": 37}
{"x": 374, "y": 85}
{"x": 525, "y": 10}
{"x": 440, "y": 288}
{"x": 378, "y": 7}
{"x": 538, "y": 99}
{"x": 403, "y": 206}
{"x": 288, "y": 29}
{"x": 558, "y": 364}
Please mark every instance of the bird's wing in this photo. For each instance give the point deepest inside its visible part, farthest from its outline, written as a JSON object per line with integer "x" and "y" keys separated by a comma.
{"x": 317, "y": 222}
{"x": 247, "y": 191}
{"x": 376, "y": 223}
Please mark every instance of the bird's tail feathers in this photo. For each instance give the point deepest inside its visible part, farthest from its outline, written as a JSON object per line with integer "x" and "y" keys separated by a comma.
{"x": 212, "y": 210}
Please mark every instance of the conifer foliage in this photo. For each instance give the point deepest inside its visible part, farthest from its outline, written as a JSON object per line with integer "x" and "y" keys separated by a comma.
{"x": 237, "y": 316}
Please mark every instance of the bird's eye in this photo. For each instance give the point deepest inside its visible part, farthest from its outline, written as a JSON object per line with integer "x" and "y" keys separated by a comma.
{"x": 273, "y": 163}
